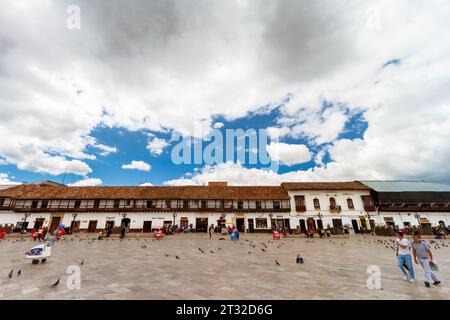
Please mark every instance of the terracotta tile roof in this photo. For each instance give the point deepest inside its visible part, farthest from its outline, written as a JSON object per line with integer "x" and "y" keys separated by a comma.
{"x": 153, "y": 192}
{"x": 351, "y": 185}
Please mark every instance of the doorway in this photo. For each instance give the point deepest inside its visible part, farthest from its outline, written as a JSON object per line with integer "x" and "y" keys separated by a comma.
{"x": 147, "y": 228}
{"x": 240, "y": 224}
{"x": 126, "y": 223}
{"x": 287, "y": 225}
{"x": 251, "y": 225}
{"x": 337, "y": 224}
{"x": 109, "y": 226}
{"x": 302, "y": 225}
{"x": 201, "y": 224}
{"x": 167, "y": 224}
{"x": 75, "y": 226}
{"x": 184, "y": 223}
{"x": 311, "y": 224}
{"x": 38, "y": 223}
{"x": 92, "y": 226}
{"x": 320, "y": 224}
{"x": 355, "y": 226}
{"x": 54, "y": 223}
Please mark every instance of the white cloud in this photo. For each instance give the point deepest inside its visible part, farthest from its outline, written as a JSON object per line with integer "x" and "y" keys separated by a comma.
{"x": 289, "y": 154}
{"x": 87, "y": 182}
{"x": 137, "y": 165}
{"x": 236, "y": 174}
{"x": 147, "y": 184}
{"x": 218, "y": 125}
{"x": 6, "y": 180}
{"x": 156, "y": 146}
{"x": 105, "y": 150}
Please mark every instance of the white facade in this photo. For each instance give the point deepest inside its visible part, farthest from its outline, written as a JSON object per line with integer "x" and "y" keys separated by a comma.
{"x": 337, "y": 208}
{"x": 341, "y": 197}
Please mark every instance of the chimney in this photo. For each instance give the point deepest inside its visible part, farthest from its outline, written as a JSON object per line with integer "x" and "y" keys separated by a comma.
{"x": 218, "y": 184}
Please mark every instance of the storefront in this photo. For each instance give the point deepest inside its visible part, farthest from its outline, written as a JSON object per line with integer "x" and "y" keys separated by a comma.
{"x": 425, "y": 223}
{"x": 389, "y": 221}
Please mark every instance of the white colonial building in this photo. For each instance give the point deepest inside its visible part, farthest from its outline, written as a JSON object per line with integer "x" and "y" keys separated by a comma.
{"x": 297, "y": 206}
{"x": 330, "y": 205}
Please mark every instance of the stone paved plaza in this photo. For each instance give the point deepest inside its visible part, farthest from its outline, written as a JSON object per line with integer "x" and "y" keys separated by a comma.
{"x": 115, "y": 269}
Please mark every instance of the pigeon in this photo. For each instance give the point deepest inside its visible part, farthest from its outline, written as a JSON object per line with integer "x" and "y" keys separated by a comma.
{"x": 277, "y": 263}
{"x": 166, "y": 255}
{"x": 263, "y": 250}
{"x": 201, "y": 250}
{"x": 211, "y": 251}
{"x": 249, "y": 252}
{"x": 19, "y": 272}
{"x": 55, "y": 284}
{"x": 10, "y": 274}
{"x": 82, "y": 262}
{"x": 177, "y": 257}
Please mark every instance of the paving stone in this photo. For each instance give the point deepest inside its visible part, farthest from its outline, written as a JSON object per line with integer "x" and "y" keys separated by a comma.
{"x": 116, "y": 269}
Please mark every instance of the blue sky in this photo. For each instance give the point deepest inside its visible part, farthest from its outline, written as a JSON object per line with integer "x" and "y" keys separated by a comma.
{"x": 131, "y": 145}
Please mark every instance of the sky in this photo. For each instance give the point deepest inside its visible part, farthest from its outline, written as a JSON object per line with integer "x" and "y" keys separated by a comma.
{"x": 346, "y": 90}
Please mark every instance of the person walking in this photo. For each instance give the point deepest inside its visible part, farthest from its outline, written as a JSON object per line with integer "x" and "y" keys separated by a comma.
{"x": 44, "y": 232}
{"x": 122, "y": 232}
{"x": 211, "y": 230}
{"x": 404, "y": 257}
{"x": 423, "y": 256}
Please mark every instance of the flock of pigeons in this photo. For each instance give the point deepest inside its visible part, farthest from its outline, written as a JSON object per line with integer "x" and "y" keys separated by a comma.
{"x": 387, "y": 243}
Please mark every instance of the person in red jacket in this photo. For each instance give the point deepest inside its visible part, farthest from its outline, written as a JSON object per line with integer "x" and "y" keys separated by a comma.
{"x": 34, "y": 234}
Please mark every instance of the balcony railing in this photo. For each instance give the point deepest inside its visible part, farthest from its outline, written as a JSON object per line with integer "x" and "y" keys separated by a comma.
{"x": 300, "y": 208}
{"x": 335, "y": 209}
{"x": 163, "y": 208}
{"x": 400, "y": 207}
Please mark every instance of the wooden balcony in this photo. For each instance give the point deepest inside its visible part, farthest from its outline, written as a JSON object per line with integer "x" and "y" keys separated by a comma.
{"x": 300, "y": 208}
{"x": 335, "y": 209}
{"x": 369, "y": 208}
{"x": 419, "y": 207}
{"x": 145, "y": 209}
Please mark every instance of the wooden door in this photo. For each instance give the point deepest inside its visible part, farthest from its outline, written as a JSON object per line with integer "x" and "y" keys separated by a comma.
{"x": 240, "y": 225}
{"x": 75, "y": 226}
{"x": 251, "y": 226}
{"x": 147, "y": 227}
{"x": 302, "y": 225}
{"x": 56, "y": 221}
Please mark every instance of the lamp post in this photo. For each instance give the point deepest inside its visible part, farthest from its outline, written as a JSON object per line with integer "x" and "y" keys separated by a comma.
{"x": 174, "y": 216}
{"x": 74, "y": 216}
{"x": 27, "y": 214}
{"x": 417, "y": 216}
{"x": 320, "y": 215}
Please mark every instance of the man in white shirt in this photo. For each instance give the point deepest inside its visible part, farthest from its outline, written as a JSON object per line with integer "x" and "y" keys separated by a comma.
{"x": 404, "y": 256}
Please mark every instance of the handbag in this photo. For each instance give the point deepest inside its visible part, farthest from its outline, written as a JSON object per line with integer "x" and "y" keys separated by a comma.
{"x": 434, "y": 266}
